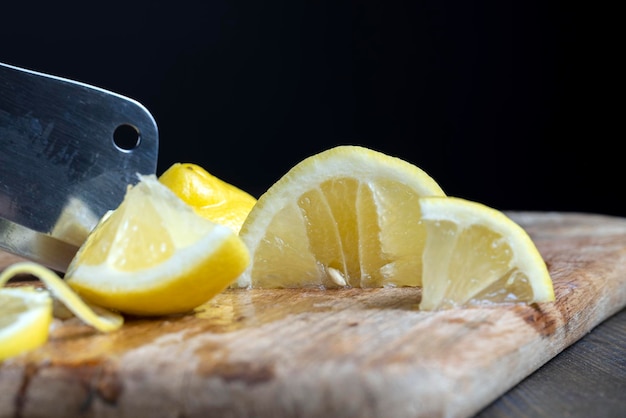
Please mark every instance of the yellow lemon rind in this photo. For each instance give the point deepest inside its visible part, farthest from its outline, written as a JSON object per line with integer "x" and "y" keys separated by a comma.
{"x": 209, "y": 196}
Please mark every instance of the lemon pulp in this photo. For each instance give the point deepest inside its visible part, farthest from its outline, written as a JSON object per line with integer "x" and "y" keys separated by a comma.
{"x": 476, "y": 254}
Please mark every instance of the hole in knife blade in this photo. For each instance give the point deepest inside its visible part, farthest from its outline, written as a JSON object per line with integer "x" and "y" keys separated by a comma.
{"x": 126, "y": 137}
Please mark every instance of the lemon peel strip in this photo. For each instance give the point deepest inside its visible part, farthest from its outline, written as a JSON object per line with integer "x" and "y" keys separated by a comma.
{"x": 103, "y": 320}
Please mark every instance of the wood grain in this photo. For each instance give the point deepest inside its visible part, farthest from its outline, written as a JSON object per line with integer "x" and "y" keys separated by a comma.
{"x": 312, "y": 353}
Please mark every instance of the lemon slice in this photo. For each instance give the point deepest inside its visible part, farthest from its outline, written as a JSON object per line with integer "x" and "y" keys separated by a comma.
{"x": 476, "y": 254}
{"x": 348, "y": 216}
{"x": 101, "y": 319}
{"x": 211, "y": 197}
{"x": 154, "y": 255}
{"x": 25, "y": 317}
{"x": 26, "y": 312}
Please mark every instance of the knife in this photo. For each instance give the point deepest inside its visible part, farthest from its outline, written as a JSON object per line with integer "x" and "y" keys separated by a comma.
{"x": 68, "y": 151}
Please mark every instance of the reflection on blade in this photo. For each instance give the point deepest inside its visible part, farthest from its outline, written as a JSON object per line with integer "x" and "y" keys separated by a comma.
{"x": 36, "y": 246}
{"x": 74, "y": 223}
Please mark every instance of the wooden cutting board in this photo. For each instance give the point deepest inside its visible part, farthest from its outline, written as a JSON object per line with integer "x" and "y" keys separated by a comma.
{"x": 341, "y": 353}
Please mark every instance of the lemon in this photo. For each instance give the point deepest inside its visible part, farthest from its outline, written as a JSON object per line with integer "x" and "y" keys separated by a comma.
{"x": 476, "y": 254}
{"x": 154, "y": 255}
{"x": 25, "y": 317}
{"x": 348, "y": 216}
{"x": 211, "y": 197}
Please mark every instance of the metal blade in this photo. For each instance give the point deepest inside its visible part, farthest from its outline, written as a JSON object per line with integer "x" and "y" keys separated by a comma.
{"x": 68, "y": 151}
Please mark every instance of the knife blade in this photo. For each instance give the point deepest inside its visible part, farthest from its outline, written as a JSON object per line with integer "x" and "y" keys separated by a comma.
{"x": 68, "y": 151}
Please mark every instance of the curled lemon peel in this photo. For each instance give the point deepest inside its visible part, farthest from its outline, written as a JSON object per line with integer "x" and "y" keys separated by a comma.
{"x": 100, "y": 318}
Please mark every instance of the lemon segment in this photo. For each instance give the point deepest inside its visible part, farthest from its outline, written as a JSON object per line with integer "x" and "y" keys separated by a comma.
{"x": 348, "y": 216}
{"x": 26, "y": 315}
{"x": 476, "y": 254}
{"x": 154, "y": 255}
{"x": 211, "y": 197}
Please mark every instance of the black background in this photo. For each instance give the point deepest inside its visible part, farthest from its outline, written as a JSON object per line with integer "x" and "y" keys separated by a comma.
{"x": 513, "y": 104}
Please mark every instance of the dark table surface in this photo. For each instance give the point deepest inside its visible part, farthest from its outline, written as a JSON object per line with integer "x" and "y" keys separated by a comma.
{"x": 586, "y": 380}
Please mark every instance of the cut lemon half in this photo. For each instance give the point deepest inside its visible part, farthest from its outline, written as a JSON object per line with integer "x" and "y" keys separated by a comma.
{"x": 348, "y": 216}
{"x": 154, "y": 255}
{"x": 476, "y": 254}
{"x": 211, "y": 197}
{"x": 25, "y": 317}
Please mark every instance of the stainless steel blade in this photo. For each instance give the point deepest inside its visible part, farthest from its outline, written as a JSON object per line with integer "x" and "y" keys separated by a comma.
{"x": 68, "y": 151}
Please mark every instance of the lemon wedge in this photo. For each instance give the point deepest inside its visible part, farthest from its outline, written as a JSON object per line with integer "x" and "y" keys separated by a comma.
{"x": 348, "y": 216}
{"x": 154, "y": 255}
{"x": 209, "y": 196}
{"x": 476, "y": 254}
